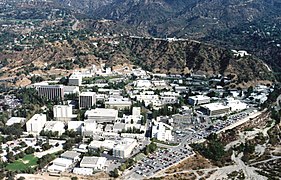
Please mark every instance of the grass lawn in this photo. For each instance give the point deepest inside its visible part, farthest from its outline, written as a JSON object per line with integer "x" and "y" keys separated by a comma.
{"x": 23, "y": 164}
{"x": 139, "y": 157}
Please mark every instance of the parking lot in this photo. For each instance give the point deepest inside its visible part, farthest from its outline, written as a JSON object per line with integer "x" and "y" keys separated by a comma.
{"x": 159, "y": 160}
{"x": 184, "y": 134}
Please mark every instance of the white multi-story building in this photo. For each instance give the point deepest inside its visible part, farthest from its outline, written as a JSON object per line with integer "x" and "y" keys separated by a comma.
{"x": 36, "y": 123}
{"x": 96, "y": 163}
{"x": 87, "y": 100}
{"x": 75, "y": 80}
{"x": 63, "y": 113}
{"x": 101, "y": 115}
{"x": 124, "y": 148}
{"x": 162, "y": 131}
{"x": 55, "y": 126}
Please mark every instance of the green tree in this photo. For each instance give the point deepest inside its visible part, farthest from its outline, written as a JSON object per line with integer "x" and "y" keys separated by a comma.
{"x": 114, "y": 173}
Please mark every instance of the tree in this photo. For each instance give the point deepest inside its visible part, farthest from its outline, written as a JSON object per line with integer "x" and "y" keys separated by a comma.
{"x": 21, "y": 178}
{"x": 14, "y": 129}
{"x": 29, "y": 150}
{"x": 46, "y": 146}
{"x": 150, "y": 148}
{"x": 44, "y": 160}
{"x": 114, "y": 173}
{"x": 10, "y": 157}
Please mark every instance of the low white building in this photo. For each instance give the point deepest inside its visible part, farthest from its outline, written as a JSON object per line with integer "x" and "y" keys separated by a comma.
{"x": 136, "y": 112}
{"x": 235, "y": 105}
{"x": 71, "y": 155}
{"x": 75, "y": 80}
{"x": 124, "y": 148}
{"x": 96, "y": 163}
{"x": 215, "y": 109}
{"x": 143, "y": 84}
{"x": 55, "y": 126}
{"x": 36, "y": 123}
{"x": 169, "y": 100}
{"x": 15, "y": 120}
{"x": 83, "y": 171}
{"x": 199, "y": 99}
{"x": 118, "y": 103}
{"x": 134, "y": 136}
{"x": 71, "y": 90}
{"x": 106, "y": 144}
{"x": 162, "y": 131}
{"x": 75, "y": 126}
{"x": 181, "y": 89}
{"x": 102, "y": 115}
{"x": 147, "y": 98}
{"x": 118, "y": 127}
{"x": 60, "y": 165}
{"x": 90, "y": 128}
{"x": 160, "y": 83}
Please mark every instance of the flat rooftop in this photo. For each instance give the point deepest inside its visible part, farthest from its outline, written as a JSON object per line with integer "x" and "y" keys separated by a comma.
{"x": 102, "y": 112}
{"x": 214, "y": 106}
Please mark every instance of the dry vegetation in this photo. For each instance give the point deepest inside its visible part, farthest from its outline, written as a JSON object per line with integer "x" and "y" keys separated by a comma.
{"x": 194, "y": 163}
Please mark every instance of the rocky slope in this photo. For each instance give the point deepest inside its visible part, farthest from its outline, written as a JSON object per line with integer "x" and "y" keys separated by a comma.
{"x": 178, "y": 17}
{"x": 157, "y": 55}
{"x": 190, "y": 57}
{"x": 252, "y": 25}
{"x": 228, "y": 23}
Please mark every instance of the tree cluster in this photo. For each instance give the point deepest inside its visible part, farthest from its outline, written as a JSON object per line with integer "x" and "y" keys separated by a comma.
{"x": 150, "y": 148}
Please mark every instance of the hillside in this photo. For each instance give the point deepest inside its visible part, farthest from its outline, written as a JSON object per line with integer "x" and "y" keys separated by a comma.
{"x": 156, "y": 55}
{"x": 240, "y": 24}
{"x": 60, "y": 34}
{"x": 190, "y": 57}
{"x": 178, "y": 17}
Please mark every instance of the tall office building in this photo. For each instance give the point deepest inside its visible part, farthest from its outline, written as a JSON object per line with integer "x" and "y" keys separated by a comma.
{"x": 87, "y": 100}
{"x": 51, "y": 92}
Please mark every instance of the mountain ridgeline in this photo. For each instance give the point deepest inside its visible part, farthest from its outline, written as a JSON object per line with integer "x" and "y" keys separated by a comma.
{"x": 220, "y": 25}
{"x": 179, "y": 17}
{"x": 253, "y": 25}
{"x": 163, "y": 56}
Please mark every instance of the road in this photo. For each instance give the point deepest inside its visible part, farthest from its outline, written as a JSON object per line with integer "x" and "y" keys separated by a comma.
{"x": 75, "y": 25}
{"x": 265, "y": 161}
{"x": 278, "y": 101}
